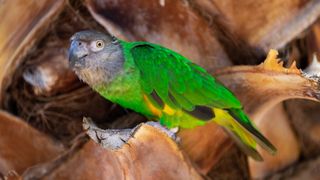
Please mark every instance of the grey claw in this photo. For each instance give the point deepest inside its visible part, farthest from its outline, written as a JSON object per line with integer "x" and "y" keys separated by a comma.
{"x": 170, "y": 132}
{"x": 109, "y": 138}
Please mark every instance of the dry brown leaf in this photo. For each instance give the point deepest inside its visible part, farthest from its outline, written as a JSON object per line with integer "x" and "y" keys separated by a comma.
{"x": 304, "y": 117}
{"x": 304, "y": 114}
{"x": 149, "y": 154}
{"x": 205, "y": 145}
{"x": 21, "y": 146}
{"x": 261, "y": 88}
{"x": 306, "y": 170}
{"x": 22, "y": 25}
{"x": 276, "y": 125}
{"x": 265, "y": 24}
{"x": 313, "y": 41}
{"x": 51, "y": 74}
{"x": 274, "y": 64}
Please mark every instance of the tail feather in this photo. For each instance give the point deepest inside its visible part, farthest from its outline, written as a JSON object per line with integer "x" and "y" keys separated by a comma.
{"x": 245, "y": 122}
{"x": 238, "y": 125}
{"x": 247, "y": 148}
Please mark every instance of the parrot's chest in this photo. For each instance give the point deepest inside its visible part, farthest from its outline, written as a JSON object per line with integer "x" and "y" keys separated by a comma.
{"x": 126, "y": 91}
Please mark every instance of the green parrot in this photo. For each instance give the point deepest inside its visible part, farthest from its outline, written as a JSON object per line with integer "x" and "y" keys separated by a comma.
{"x": 162, "y": 85}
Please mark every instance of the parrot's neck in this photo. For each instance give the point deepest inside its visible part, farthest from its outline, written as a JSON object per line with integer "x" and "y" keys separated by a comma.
{"x": 95, "y": 78}
{"x": 103, "y": 72}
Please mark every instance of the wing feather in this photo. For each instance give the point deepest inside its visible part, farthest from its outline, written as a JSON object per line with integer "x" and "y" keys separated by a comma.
{"x": 165, "y": 71}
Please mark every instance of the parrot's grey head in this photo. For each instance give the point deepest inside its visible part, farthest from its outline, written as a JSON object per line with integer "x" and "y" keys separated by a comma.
{"x": 95, "y": 57}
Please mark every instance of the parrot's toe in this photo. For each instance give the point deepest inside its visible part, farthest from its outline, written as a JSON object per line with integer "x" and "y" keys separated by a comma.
{"x": 170, "y": 132}
{"x": 109, "y": 138}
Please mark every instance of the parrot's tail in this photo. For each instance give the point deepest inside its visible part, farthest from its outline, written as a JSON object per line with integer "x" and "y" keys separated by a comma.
{"x": 240, "y": 128}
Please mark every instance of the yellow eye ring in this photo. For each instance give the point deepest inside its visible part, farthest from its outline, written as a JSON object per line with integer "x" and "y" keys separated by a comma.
{"x": 99, "y": 44}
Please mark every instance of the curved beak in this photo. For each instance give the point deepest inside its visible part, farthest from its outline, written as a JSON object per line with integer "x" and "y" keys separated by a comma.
{"x": 77, "y": 51}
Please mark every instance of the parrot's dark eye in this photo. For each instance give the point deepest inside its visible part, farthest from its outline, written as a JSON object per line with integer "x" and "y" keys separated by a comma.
{"x": 99, "y": 44}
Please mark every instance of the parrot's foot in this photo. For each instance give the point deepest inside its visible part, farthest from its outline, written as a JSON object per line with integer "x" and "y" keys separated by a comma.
{"x": 170, "y": 132}
{"x": 115, "y": 138}
{"x": 109, "y": 138}
{"x": 174, "y": 130}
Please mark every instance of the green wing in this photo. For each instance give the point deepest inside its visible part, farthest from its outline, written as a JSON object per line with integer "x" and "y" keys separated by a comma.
{"x": 177, "y": 81}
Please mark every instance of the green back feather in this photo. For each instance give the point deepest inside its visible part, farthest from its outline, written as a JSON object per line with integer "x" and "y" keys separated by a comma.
{"x": 167, "y": 72}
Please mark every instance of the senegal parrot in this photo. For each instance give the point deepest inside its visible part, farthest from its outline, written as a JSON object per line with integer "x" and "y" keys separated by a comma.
{"x": 162, "y": 85}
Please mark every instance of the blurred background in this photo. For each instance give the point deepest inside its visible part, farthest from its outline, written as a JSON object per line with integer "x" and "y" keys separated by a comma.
{"x": 42, "y": 101}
